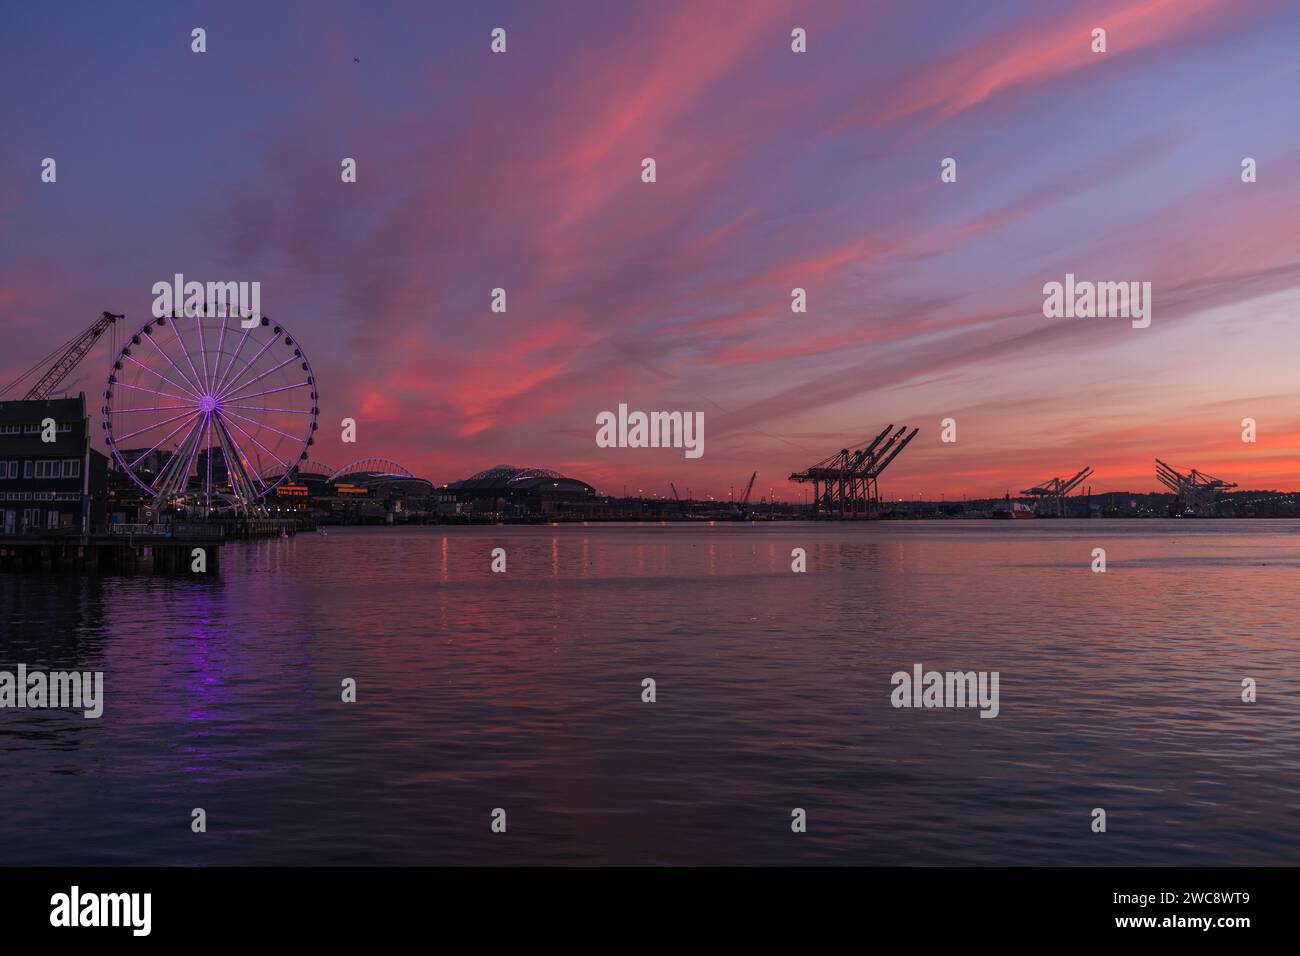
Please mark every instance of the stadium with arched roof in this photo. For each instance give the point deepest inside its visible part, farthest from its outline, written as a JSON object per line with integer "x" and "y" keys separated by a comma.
{"x": 370, "y": 468}
{"x": 307, "y": 470}
{"x": 509, "y": 489}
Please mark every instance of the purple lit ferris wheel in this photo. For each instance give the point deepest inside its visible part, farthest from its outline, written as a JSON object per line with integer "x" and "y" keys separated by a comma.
{"x": 208, "y": 415}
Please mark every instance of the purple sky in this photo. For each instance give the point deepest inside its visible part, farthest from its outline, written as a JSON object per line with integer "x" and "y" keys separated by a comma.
{"x": 775, "y": 170}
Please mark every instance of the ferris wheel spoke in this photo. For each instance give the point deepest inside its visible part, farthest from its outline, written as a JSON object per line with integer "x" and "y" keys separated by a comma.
{"x": 161, "y": 424}
{"x": 233, "y": 359}
{"x": 176, "y": 472}
{"x": 192, "y": 389}
{"x": 207, "y": 483}
{"x": 153, "y": 371}
{"x": 180, "y": 339}
{"x": 261, "y": 408}
{"x": 228, "y": 455}
{"x": 253, "y": 421}
{"x": 148, "y": 391}
{"x": 272, "y": 391}
{"x": 235, "y": 459}
{"x": 256, "y": 442}
{"x": 160, "y": 479}
{"x": 196, "y": 437}
{"x": 237, "y": 452}
{"x": 166, "y": 475}
{"x": 203, "y": 357}
{"x": 155, "y": 486}
{"x": 150, "y": 408}
{"x": 271, "y": 371}
{"x": 248, "y": 366}
{"x": 216, "y": 363}
{"x": 195, "y": 414}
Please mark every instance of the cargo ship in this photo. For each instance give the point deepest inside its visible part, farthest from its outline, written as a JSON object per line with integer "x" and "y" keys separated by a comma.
{"x": 1014, "y": 510}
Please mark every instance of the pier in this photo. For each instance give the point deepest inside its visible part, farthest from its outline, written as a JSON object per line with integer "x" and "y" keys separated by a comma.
{"x": 135, "y": 548}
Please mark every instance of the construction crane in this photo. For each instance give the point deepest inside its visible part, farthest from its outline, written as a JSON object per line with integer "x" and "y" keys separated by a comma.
{"x": 740, "y": 508}
{"x": 1054, "y": 490}
{"x": 846, "y": 485}
{"x": 1195, "y": 490}
{"x": 59, "y": 363}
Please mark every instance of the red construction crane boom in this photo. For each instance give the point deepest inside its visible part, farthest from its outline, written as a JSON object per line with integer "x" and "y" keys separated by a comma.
{"x": 744, "y": 499}
{"x": 65, "y": 358}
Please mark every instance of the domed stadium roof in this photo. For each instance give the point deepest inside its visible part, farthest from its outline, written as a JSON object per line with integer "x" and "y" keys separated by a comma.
{"x": 509, "y": 478}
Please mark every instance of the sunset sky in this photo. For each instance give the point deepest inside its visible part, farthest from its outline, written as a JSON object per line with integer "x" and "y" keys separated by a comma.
{"x": 775, "y": 170}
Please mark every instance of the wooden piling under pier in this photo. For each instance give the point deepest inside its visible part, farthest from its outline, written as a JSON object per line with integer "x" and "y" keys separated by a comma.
{"x": 135, "y": 549}
{"x": 109, "y": 554}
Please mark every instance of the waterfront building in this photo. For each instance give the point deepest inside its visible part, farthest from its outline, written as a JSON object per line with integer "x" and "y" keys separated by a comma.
{"x": 51, "y": 480}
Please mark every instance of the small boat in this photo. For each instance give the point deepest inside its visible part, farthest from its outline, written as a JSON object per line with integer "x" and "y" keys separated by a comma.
{"x": 1015, "y": 511}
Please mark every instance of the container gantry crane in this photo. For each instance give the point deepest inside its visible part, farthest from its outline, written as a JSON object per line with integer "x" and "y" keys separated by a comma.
{"x": 1196, "y": 490}
{"x": 846, "y": 485}
{"x": 1054, "y": 490}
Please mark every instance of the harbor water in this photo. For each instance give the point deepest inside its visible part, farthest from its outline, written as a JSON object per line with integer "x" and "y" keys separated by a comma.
{"x": 1120, "y": 690}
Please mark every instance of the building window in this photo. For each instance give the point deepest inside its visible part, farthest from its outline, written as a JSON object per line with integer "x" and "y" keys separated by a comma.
{"x": 52, "y": 520}
{"x": 52, "y": 468}
{"x": 8, "y": 469}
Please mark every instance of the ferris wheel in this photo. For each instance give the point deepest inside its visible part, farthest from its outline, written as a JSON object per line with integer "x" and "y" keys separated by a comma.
{"x": 206, "y": 414}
